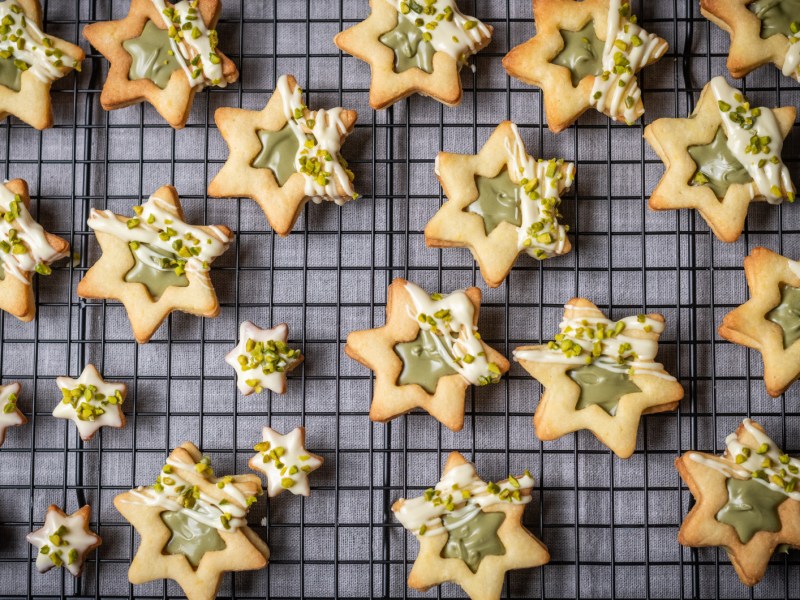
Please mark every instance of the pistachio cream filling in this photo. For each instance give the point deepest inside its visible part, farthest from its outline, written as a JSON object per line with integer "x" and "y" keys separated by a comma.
{"x": 190, "y": 538}
{"x": 152, "y": 56}
{"x": 776, "y": 16}
{"x": 750, "y": 508}
{"x": 410, "y": 48}
{"x": 422, "y": 363}
{"x": 717, "y": 167}
{"x": 475, "y": 539}
{"x": 787, "y": 314}
{"x": 278, "y": 152}
{"x": 498, "y": 201}
{"x": 156, "y": 269}
{"x": 602, "y": 387}
{"x": 582, "y": 53}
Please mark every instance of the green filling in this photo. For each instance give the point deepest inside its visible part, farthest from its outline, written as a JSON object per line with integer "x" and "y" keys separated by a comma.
{"x": 582, "y": 53}
{"x": 422, "y": 363}
{"x": 10, "y": 74}
{"x": 601, "y": 387}
{"x": 278, "y": 151}
{"x": 717, "y": 167}
{"x": 154, "y": 279}
{"x": 475, "y": 539}
{"x": 787, "y": 314}
{"x": 776, "y": 16}
{"x": 2, "y": 272}
{"x": 190, "y": 538}
{"x": 751, "y": 507}
{"x": 410, "y": 50}
{"x": 152, "y": 56}
{"x": 498, "y": 201}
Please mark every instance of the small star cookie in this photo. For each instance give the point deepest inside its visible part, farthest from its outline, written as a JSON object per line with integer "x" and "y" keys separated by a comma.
{"x": 747, "y": 500}
{"x": 586, "y": 54}
{"x": 470, "y": 532}
{"x": 427, "y": 355}
{"x": 415, "y": 47}
{"x": 501, "y": 202}
{"x": 90, "y": 402}
{"x": 155, "y": 262}
{"x": 64, "y": 540}
{"x": 600, "y": 375}
{"x": 723, "y": 157}
{"x": 285, "y": 155}
{"x": 10, "y": 414}
{"x": 285, "y": 461}
{"x": 262, "y": 359}
{"x": 162, "y": 53}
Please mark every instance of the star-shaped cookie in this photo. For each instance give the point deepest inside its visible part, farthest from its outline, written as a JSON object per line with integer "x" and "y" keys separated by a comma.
{"x": 427, "y": 354}
{"x": 90, "y": 402}
{"x": 470, "y": 532}
{"x": 747, "y": 500}
{"x": 64, "y": 540}
{"x": 722, "y": 188}
{"x": 262, "y": 358}
{"x": 600, "y": 375}
{"x": 10, "y": 414}
{"x": 162, "y": 53}
{"x": 285, "y": 461}
{"x": 585, "y": 54}
{"x": 154, "y": 262}
{"x": 193, "y": 525}
{"x": 285, "y": 155}
{"x": 415, "y": 47}
{"x": 501, "y": 202}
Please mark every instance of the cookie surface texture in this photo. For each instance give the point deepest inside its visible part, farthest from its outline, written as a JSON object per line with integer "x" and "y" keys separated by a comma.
{"x": 64, "y": 540}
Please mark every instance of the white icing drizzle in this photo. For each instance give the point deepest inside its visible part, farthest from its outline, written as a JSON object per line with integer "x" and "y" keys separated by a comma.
{"x": 74, "y": 541}
{"x": 791, "y": 61}
{"x": 9, "y": 414}
{"x": 627, "y": 49}
{"x": 201, "y": 71}
{"x": 269, "y": 372}
{"x": 100, "y": 407}
{"x": 448, "y": 315}
{"x": 755, "y": 139}
{"x": 794, "y": 266}
{"x": 23, "y": 243}
{"x": 460, "y": 494}
{"x": 285, "y": 461}
{"x": 743, "y": 462}
{"x": 588, "y": 337}
{"x": 320, "y": 134}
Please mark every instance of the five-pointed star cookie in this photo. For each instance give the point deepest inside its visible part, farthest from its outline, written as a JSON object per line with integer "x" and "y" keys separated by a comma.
{"x": 10, "y": 414}
{"x": 64, "y": 540}
{"x": 585, "y": 54}
{"x": 285, "y": 155}
{"x": 747, "y": 500}
{"x": 501, "y": 202}
{"x": 770, "y": 320}
{"x": 90, "y": 402}
{"x": 474, "y": 552}
{"x": 710, "y": 160}
{"x": 162, "y": 53}
{"x": 415, "y": 47}
{"x": 262, "y": 358}
{"x": 193, "y": 525}
{"x": 285, "y": 461}
{"x": 427, "y": 354}
{"x": 600, "y": 375}
{"x": 30, "y": 61}
{"x": 154, "y": 262}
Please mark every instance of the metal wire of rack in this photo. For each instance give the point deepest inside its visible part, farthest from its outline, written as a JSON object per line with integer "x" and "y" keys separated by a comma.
{"x": 610, "y": 525}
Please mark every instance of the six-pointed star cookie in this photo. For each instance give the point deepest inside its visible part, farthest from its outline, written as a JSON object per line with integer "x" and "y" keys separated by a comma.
{"x": 770, "y": 320}
{"x": 746, "y": 500}
{"x": 474, "y": 552}
{"x": 193, "y": 525}
{"x": 600, "y": 375}
{"x": 90, "y": 402}
{"x": 64, "y": 540}
{"x": 501, "y": 202}
{"x": 285, "y": 155}
{"x": 415, "y": 47}
{"x": 427, "y": 354}
{"x": 10, "y": 414}
{"x": 262, "y": 358}
{"x": 585, "y": 54}
{"x": 285, "y": 461}
{"x": 722, "y": 188}
{"x": 148, "y": 62}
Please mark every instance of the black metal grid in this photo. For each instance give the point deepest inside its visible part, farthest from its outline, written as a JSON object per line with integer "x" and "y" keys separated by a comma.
{"x": 610, "y": 525}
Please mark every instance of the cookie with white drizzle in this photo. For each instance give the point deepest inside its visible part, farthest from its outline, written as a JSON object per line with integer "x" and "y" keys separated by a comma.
{"x": 501, "y": 202}
{"x": 64, "y": 540}
{"x": 285, "y": 155}
{"x": 600, "y": 375}
{"x": 90, "y": 402}
{"x": 748, "y": 500}
{"x": 285, "y": 461}
{"x": 586, "y": 54}
{"x": 415, "y": 47}
{"x": 10, "y": 414}
{"x": 262, "y": 358}
{"x": 193, "y": 525}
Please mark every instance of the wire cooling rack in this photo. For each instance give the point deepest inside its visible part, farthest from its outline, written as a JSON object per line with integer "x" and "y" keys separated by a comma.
{"x": 610, "y": 525}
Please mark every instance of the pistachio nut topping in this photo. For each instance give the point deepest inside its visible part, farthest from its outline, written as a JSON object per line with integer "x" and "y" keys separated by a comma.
{"x": 262, "y": 358}
{"x": 285, "y": 461}
{"x": 63, "y": 541}
{"x": 90, "y": 402}
{"x": 10, "y": 415}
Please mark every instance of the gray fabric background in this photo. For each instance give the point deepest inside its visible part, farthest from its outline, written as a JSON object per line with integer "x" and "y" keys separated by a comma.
{"x": 610, "y": 525}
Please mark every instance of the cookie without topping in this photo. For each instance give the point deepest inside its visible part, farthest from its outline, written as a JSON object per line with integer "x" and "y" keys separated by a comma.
{"x": 285, "y": 461}
{"x": 64, "y": 540}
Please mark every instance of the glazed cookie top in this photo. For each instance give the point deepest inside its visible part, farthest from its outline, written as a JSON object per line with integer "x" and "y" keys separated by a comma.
{"x": 63, "y": 541}
{"x": 90, "y": 402}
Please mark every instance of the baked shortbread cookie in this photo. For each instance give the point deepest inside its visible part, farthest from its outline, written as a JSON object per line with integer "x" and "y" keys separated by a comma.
{"x": 262, "y": 358}
{"x": 64, "y": 540}
{"x": 586, "y": 54}
{"x": 90, "y": 402}
{"x": 285, "y": 461}
{"x": 10, "y": 414}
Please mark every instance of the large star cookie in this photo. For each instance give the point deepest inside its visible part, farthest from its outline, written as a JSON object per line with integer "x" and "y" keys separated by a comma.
{"x": 724, "y": 156}
{"x": 470, "y": 532}
{"x": 585, "y": 54}
{"x": 427, "y": 355}
{"x": 748, "y": 500}
{"x": 415, "y": 47}
{"x": 162, "y": 53}
{"x": 193, "y": 525}
{"x": 600, "y": 375}
{"x": 64, "y": 540}
{"x": 90, "y": 402}
{"x": 10, "y": 414}
{"x": 155, "y": 262}
{"x": 501, "y": 202}
{"x": 262, "y": 358}
{"x": 285, "y": 461}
